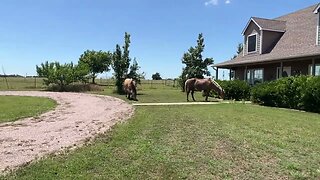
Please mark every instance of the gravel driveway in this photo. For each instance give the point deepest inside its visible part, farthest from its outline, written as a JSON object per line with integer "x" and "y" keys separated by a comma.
{"x": 77, "y": 117}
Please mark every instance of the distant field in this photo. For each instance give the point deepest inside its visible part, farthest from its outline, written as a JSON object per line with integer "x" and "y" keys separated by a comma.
{"x": 32, "y": 83}
{"x": 15, "y": 107}
{"x": 15, "y": 83}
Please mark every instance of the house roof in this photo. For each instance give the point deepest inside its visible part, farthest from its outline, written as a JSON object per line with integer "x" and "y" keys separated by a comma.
{"x": 267, "y": 24}
{"x": 298, "y": 40}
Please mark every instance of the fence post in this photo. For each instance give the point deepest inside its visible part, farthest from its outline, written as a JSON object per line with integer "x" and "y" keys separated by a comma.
{"x": 35, "y": 82}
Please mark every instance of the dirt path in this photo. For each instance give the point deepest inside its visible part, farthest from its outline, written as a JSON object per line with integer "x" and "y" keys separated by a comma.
{"x": 76, "y": 118}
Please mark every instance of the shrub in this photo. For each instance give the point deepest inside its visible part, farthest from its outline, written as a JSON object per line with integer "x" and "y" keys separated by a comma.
{"x": 266, "y": 94}
{"x": 61, "y": 75}
{"x": 300, "y": 92}
{"x": 76, "y": 88}
{"x": 311, "y": 95}
{"x": 235, "y": 89}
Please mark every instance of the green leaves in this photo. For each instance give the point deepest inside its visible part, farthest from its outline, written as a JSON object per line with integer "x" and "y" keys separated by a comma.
{"x": 196, "y": 66}
{"x": 61, "y": 74}
{"x": 301, "y": 92}
{"x": 156, "y": 76}
{"x": 96, "y": 61}
{"x": 235, "y": 89}
{"x": 121, "y": 62}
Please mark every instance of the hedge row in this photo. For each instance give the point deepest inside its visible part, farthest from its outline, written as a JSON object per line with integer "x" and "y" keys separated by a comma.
{"x": 301, "y": 92}
{"x": 235, "y": 89}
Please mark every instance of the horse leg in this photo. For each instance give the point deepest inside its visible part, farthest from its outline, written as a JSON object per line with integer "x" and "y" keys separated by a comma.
{"x": 192, "y": 92}
{"x": 206, "y": 93}
{"x": 187, "y": 91}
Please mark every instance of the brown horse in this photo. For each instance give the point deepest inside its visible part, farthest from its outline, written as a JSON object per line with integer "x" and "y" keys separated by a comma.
{"x": 130, "y": 88}
{"x": 205, "y": 85}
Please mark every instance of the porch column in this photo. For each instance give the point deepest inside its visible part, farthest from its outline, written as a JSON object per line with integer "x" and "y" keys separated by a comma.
{"x": 245, "y": 73}
{"x": 217, "y": 73}
{"x": 281, "y": 70}
{"x": 313, "y": 67}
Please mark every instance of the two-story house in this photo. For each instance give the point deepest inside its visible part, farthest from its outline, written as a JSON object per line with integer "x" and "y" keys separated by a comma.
{"x": 273, "y": 48}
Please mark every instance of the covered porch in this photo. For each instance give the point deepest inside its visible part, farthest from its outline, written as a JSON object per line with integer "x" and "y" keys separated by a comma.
{"x": 257, "y": 72}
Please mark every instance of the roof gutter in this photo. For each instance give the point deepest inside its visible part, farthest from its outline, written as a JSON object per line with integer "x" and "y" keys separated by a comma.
{"x": 265, "y": 61}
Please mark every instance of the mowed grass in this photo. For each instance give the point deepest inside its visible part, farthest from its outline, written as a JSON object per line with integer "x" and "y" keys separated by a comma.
{"x": 156, "y": 93}
{"x": 16, "y": 107}
{"x": 226, "y": 141}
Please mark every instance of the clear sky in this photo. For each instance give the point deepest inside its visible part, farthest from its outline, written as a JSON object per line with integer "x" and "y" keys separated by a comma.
{"x": 33, "y": 31}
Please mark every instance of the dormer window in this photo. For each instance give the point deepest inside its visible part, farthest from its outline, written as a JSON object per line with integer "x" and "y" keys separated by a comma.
{"x": 252, "y": 43}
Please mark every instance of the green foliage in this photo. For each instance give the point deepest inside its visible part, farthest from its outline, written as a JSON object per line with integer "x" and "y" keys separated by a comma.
{"x": 134, "y": 71}
{"x": 96, "y": 61}
{"x": 156, "y": 76}
{"x": 235, "y": 89}
{"x": 121, "y": 62}
{"x": 196, "y": 66}
{"x": 301, "y": 92}
{"x": 239, "y": 50}
{"x": 311, "y": 95}
{"x": 61, "y": 74}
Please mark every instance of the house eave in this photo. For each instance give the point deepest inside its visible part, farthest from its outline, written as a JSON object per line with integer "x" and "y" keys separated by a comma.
{"x": 251, "y": 19}
{"x": 276, "y": 60}
{"x": 263, "y": 29}
{"x": 316, "y": 10}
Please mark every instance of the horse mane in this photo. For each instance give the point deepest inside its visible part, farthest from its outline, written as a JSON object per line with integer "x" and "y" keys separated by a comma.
{"x": 216, "y": 84}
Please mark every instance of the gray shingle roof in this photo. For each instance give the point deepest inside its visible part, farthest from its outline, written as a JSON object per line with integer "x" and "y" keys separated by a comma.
{"x": 299, "y": 39}
{"x": 270, "y": 24}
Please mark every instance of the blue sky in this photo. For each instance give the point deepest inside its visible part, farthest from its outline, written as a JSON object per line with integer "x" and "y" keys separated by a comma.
{"x": 34, "y": 31}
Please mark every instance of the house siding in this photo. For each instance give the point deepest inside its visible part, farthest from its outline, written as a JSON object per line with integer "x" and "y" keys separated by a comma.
{"x": 319, "y": 35}
{"x": 270, "y": 39}
{"x": 252, "y": 29}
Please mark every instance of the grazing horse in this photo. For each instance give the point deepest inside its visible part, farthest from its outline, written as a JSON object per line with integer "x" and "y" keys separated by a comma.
{"x": 205, "y": 85}
{"x": 130, "y": 88}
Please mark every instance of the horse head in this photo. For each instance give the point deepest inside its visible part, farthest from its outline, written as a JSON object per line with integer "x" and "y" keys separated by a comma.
{"x": 216, "y": 87}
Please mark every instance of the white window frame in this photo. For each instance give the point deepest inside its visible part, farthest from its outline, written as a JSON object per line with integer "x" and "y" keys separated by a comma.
{"x": 317, "y": 42}
{"x": 310, "y": 69}
{"x": 256, "y": 48}
{"x": 285, "y": 68}
{"x": 253, "y": 73}
{"x": 318, "y": 26}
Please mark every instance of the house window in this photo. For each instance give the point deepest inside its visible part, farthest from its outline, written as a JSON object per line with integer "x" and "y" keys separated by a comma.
{"x": 254, "y": 76}
{"x": 285, "y": 73}
{"x": 252, "y": 43}
{"x": 317, "y": 71}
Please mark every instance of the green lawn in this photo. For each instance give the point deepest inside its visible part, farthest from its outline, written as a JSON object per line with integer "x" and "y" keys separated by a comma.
{"x": 231, "y": 141}
{"x": 15, "y": 107}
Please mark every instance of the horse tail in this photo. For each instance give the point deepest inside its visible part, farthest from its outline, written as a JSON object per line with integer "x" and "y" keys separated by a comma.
{"x": 186, "y": 85}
